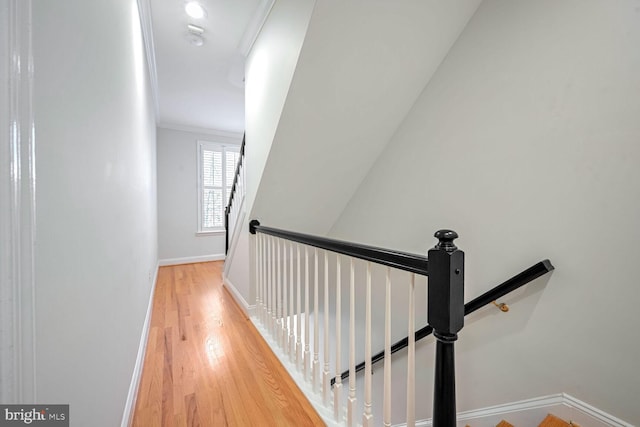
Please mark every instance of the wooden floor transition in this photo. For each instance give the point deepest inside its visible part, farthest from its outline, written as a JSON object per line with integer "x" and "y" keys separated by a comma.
{"x": 206, "y": 364}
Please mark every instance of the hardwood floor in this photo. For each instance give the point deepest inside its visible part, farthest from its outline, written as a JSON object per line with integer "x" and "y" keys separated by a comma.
{"x": 206, "y": 365}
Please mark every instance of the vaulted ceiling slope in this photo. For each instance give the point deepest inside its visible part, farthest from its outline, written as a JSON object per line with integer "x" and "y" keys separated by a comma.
{"x": 361, "y": 68}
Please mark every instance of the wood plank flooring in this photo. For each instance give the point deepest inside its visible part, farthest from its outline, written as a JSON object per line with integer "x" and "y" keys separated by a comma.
{"x": 206, "y": 365}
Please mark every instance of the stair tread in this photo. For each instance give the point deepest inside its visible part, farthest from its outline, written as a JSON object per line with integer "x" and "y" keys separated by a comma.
{"x": 553, "y": 421}
{"x": 503, "y": 423}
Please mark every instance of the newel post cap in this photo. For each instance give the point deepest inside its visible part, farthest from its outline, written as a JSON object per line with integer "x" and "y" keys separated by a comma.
{"x": 445, "y": 240}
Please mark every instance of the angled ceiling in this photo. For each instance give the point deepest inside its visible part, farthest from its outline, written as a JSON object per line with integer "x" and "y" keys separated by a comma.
{"x": 202, "y": 87}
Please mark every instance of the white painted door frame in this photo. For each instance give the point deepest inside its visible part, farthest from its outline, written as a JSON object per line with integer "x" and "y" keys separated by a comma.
{"x": 17, "y": 205}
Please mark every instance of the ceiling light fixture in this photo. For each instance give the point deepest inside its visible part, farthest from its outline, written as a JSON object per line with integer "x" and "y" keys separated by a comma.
{"x": 194, "y": 29}
{"x": 195, "y": 35}
{"x": 195, "y": 10}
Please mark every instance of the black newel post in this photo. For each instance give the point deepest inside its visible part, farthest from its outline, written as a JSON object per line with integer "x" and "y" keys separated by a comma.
{"x": 446, "y": 316}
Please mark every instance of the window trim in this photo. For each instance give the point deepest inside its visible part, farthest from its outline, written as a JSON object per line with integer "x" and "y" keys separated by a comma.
{"x": 210, "y": 145}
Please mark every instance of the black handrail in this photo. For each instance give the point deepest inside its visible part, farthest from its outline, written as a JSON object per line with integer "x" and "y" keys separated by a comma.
{"x": 499, "y": 291}
{"x": 396, "y": 259}
{"x": 227, "y": 208}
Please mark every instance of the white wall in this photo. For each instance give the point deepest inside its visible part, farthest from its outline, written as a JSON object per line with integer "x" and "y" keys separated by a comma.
{"x": 178, "y": 198}
{"x": 324, "y": 120}
{"x": 361, "y": 68}
{"x": 96, "y": 248}
{"x": 268, "y": 73}
{"x": 525, "y": 141}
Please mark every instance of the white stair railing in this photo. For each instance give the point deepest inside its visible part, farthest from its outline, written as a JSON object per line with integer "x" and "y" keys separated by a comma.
{"x": 289, "y": 273}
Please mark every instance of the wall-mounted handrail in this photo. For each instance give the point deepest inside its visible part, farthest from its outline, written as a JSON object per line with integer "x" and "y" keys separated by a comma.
{"x": 475, "y": 304}
{"x": 391, "y": 258}
{"x": 234, "y": 187}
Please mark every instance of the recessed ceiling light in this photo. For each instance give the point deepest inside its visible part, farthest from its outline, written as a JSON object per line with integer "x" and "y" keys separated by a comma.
{"x": 194, "y": 10}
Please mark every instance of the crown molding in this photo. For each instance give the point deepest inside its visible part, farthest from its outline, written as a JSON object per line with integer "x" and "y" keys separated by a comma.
{"x": 199, "y": 130}
{"x": 255, "y": 26}
{"x": 144, "y": 10}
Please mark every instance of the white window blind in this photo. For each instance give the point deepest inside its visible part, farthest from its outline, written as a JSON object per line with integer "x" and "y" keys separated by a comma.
{"x": 217, "y": 166}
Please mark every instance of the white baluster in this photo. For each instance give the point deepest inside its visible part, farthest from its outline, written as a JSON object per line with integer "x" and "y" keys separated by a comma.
{"x": 258, "y": 277}
{"x": 337, "y": 386}
{"x": 326, "y": 381}
{"x": 270, "y": 316}
{"x": 241, "y": 182}
{"x": 278, "y": 335}
{"x": 387, "y": 352}
{"x": 351, "y": 403}
{"x": 257, "y": 271}
{"x": 315, "y": 371}
{"x": 367, "y": 415}
{"x": 273, "y": 289}
{"x": 299, "y": 314}
{"x": 264, "y": 282}
{"x": 307, "y": 336}
{"x": 290, "y": 319}
{"x": 285, "y": 333}
{"x": 411, "y": 354}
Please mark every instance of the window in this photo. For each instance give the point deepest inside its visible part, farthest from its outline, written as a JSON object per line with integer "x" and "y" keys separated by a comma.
{"x": 216, "y": 170}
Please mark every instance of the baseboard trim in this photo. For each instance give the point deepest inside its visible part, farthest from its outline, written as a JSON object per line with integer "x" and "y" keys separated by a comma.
{"x": 130, "y": 404}
{"x": 191, "y": 259}
{"x": 586, "y": 410}
{"x": 532, "y": 412}
{"x": 237, "y": 296}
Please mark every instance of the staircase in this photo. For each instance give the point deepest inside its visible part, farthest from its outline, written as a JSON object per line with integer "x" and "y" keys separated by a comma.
{"x": 301, "y": 302}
